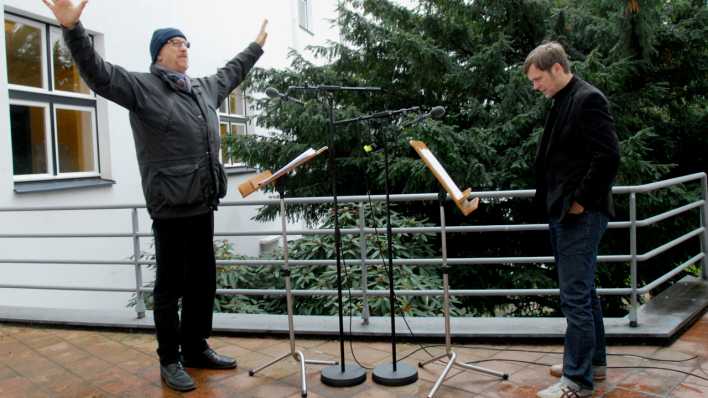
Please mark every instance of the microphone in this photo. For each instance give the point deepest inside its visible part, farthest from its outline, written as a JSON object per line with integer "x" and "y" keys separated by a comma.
{"x": 436, "y": 113}
{"x": 272, "y": 92}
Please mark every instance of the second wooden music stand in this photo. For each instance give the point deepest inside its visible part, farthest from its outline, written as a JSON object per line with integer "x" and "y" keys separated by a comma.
{"x": 467, "y": 206}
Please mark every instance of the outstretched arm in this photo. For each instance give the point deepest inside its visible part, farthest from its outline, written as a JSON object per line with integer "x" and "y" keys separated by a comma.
{"x": 232, "y": 74}
{"x": 262, "y": 35}
{"x": 109, "y": 81}
{"x": 66, "y": 13}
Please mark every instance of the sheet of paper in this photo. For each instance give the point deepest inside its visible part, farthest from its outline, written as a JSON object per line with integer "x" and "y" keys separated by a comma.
{"x": 454, "y": 191}
{"x": 300, "y": 159}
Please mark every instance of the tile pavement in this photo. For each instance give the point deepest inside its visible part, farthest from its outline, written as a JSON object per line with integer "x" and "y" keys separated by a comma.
{"x": 55, "y": 362}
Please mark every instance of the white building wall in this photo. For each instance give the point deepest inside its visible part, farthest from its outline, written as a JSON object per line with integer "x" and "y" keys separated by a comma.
{"x": 217, "y": 29}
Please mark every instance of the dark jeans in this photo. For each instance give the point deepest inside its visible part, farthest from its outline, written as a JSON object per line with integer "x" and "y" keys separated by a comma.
{"x": 575, "y": 242}
{"x": 186, "y": 269}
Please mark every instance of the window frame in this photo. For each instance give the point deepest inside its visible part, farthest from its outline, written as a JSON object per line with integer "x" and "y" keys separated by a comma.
{"x": 94, "y": 132}
{"x": 50, "y": 62}
{"x": 51, "y": 99}
{"x": 227, "y": 105}
{"x": 48, "y": 147}
{"x": 230, "y": 124}
{"x": 42, "y": 27}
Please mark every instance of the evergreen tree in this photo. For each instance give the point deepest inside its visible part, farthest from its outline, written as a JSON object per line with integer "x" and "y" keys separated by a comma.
{"x": 648, "y": 56}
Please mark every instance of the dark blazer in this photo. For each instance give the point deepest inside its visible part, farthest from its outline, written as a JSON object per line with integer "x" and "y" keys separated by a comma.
{"x": 578, "y": 155}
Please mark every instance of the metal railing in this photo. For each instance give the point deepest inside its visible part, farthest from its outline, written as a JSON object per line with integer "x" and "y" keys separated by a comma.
{"x": 633, "y": 258}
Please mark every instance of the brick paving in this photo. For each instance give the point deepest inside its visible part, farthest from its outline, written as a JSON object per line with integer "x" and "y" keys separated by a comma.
{"x": 54, "y": 362}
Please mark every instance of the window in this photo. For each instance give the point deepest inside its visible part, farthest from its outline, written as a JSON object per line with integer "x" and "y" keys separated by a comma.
{"x": 52, "y": 110}
{"x": 229, "y": 132}
{"x": 234, "y": 104}
{"x": 233, "y": 122}
{"x": 304, "y": 14}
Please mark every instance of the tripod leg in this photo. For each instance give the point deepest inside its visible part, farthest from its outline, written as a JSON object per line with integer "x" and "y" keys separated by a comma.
{"x": 442, "y": 376}
{"x": 280, "y": 358}
{"x": 431, "y": 360}
{"x": 504, "y": 376}
{"x": 303, "y": 374}
{"x": 317, "y": 362}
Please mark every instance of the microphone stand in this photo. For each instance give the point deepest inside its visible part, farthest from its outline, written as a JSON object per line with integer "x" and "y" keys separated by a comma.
{"x": 294, "y": 352}
{"x": 393, "y": 374}
{"x": 345, "y": 374}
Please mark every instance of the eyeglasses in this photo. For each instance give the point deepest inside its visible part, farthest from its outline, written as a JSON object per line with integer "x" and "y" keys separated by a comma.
{"x": 178, "y": 43}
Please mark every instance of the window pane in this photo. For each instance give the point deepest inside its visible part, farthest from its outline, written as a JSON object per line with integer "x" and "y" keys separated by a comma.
{"x": 23, "y": 44}
{"x": 28, "y": 132}
{"x": 236, "y": 104}
{"x": 66, "y": 73}
{"x": 75, "y": 141}
{"x": 236, "y": 130}
{"x": 223, "y": 107}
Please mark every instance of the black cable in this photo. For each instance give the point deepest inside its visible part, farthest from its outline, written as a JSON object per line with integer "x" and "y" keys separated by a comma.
{"x": 608, "y": 367}
{"x": 560, "y": 353}
{"x": 351, "y": 315}
{"x": 426, "y": 347}
{"x": 551, "y": 352}
{"x": 383, "y": 260}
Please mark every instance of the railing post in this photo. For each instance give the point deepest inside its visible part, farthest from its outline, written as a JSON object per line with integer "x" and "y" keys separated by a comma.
{"x": 139, "y": 299}
{"x": 364, "y": 268}
{"x": 633, "y": 253}
{"x": 704, "y": 224}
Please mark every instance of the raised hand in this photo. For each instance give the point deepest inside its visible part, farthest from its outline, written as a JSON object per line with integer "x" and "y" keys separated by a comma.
{"x": 262, "y": 35}
{"x": 65, "y": 11}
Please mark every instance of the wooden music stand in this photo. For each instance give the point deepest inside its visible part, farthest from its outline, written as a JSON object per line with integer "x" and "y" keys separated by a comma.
{"x": 253, "y": 184}
{"x": 467, "y": 206}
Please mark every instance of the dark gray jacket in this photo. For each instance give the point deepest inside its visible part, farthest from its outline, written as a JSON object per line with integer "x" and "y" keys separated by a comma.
{"x": 176, "y": 133}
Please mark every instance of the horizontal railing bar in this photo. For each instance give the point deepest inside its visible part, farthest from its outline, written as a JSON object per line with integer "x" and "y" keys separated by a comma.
{"x": 75, "y": 262}
{"x": 302, "y": 263}
{"x": 96, "y": 235}
{"x": 658, "y": 184}
{"x": 419, "y": 261}
{"x": 670, "y": 274}
{"x": 332, "y": 292}
{"x": 128, "y": 206}
{"x": 368, "y": 230}
{"x": 666, "y": 246}
{"x": 522, "y": 193}
{"x": 668, "y": 214}
{"x": 435, "y": 292}
{"x": 71, "y": 288}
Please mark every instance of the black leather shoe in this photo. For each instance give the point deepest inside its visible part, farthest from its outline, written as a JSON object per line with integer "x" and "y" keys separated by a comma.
{"x": 208, "y": 359}
{"x": 176, "y": 377}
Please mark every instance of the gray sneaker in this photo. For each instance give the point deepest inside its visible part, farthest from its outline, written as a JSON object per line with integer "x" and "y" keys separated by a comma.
{"x": 599, "y": 373}
{"x": 565, "y": 388}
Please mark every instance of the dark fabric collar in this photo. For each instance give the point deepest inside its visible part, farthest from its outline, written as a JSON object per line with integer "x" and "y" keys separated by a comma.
{"x": 563, "y": 93}
{"x": 178, "y": 81}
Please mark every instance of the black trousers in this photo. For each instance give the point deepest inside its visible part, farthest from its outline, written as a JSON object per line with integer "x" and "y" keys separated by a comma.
{"x": 186, "y": 270}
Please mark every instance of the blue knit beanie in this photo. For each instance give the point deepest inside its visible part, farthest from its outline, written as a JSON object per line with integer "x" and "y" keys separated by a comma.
{"x": 160, "y": 37}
